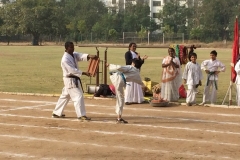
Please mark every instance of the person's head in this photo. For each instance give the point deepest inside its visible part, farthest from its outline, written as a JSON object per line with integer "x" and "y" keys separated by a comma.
{"x": 213, "y": 55}
{"x": 132, "y": 46}
{"x": 171, "y": 52}
{"x": 69, "y": 47}
{"x": 193, "y": 57}
{"x": 137, "y": 63}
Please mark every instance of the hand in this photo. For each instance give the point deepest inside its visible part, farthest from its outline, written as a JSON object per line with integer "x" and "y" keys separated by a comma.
{"x": 106, "y": 64}
{"x": 86, "y": 73}
{"x": 93, "y": 56}
{"x": 232, "y": 64}
{"x": 217, "y": 72}
{"x": 184, "y": 81}
{"x": 200, "y": 83}
{"x": 145, "y": 57}
{"x": 207, "y": 71}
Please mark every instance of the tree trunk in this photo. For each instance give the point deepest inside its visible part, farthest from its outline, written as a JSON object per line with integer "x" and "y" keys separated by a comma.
{"x": 35, "y": 41}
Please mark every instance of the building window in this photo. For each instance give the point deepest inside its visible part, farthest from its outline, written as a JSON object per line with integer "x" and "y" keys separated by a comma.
{"x": 155, "y": 15}
{"x": 156, "y": 3}
{"x": 114, "y": 2}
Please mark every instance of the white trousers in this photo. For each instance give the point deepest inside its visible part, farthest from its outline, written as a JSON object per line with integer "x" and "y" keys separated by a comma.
{"x": 76, "y": 94}
{"x": 118, "y": 83}
{"x": 133, "y": 93}
{"x": 191, "y": 94}
{"x": 238, "y": 94}
{"x": 207, "y": 96}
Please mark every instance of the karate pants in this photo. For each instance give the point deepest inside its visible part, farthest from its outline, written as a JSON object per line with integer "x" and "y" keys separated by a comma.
{"x": 191, "y": 94}
{"x": 207, "y": 96}
{"x": 76, "y": 94}
{"x": 119, "y": 84}
{"x": 238, "y": 94}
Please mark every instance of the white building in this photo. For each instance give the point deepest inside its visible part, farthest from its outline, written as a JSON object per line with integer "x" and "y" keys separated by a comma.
{"x": 155, "y": 6}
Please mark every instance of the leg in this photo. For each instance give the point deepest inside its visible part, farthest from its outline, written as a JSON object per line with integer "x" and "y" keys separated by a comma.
{"x": 214, "y": 93}
{"x": 206, "y": 91}
{"x": 190, "y": 95}
{"x": 76, "y": 95}
{"x": 62, "y": 102}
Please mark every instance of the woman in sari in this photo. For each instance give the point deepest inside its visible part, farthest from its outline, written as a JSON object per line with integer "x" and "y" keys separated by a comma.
{"x": 171, "y": 77}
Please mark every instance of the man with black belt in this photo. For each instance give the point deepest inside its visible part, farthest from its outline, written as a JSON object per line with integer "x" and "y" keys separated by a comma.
{"x": 72, "y": 83}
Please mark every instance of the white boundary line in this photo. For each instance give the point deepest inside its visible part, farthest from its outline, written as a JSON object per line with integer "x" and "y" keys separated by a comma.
{"x": 137, "y": 108}
{"x": 115, "y": 147}
{"x": 22, "y": 155}
{"x": 83, "y": 130}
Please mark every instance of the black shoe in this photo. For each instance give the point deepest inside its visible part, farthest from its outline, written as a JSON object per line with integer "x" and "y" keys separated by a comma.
{"x": 121, "y": 121}
{"x": 56, "y": 116}
{"x": 127, "y": 103}
{"x": 84, "y": 118}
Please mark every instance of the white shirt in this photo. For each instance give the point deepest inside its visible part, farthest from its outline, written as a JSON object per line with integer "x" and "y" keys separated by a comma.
{"x": 134, "y": 55}
{"x": 192, "y": 73}
{"x": 237, "y": 69}
{"x": 212, "y": 66}
{"x": 70, "y": 67}
{"x": 130, "y": 72}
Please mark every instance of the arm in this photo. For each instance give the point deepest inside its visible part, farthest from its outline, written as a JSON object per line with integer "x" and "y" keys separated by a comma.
{"x": 185, "y": 73}
{"x": 84, "y": 56}
{"x": 128, "y": 58}
{"x": 204, "y": 66}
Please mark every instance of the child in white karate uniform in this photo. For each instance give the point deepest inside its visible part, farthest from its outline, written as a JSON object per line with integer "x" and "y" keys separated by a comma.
{"x": 237, "y": 69}
{"x": 119, "y": 76}
{"x": 212, "y": 67}
{"x": 192, "y": 76}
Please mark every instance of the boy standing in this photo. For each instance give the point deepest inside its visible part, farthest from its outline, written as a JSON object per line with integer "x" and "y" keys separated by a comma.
{"x": 72, "y": 83}
{"x": 119, "y": 76}
{"x": 212, "y": 67}
{"x": 192, "y": 76}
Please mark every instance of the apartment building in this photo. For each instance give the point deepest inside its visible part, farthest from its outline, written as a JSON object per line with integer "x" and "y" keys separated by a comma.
{"x": 115, "y": 6}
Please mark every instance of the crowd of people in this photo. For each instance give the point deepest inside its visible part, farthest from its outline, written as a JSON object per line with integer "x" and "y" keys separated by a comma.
{"x": 128, "y": 77}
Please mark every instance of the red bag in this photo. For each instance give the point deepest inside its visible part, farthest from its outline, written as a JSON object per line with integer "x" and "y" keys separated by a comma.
{"x": 182, "y": 92}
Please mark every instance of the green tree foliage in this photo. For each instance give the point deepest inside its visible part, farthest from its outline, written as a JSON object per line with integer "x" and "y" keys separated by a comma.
{"x": 175, "y": 16}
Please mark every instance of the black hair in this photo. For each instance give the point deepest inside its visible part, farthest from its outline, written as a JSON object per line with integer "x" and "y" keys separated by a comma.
{"x": 137, "y": 62}
{"x": 67, "y": 44}
{"x": 172, "y": 49}
{"x": 192, "y": 54}
{"x": 214, "y": 52}
{"x": 130, "y": 45}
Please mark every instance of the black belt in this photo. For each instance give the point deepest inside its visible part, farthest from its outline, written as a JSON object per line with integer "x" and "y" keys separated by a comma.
{"x": 76, "y": 81}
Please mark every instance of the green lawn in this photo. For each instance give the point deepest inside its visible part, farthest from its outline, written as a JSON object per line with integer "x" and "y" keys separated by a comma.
{"x": 36, "y": 69}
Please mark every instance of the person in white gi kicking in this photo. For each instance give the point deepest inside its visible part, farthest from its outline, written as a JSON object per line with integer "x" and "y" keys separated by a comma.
{"x": 119, "y": 76}
{"x": 72, "y": 83}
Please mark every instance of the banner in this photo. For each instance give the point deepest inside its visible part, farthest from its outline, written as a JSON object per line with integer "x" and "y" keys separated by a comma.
{"x": 235, "y": 50}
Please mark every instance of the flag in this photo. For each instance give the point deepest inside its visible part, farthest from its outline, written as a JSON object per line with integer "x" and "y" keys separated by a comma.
{"x": 235, "y": 50}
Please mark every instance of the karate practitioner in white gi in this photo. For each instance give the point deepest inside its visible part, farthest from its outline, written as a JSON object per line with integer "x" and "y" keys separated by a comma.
{"x": 192, "y": 76}
{"x": 237, "y": 69}
{"x": 72, "y": 83}
{"x": 119, "y": 76}
{"x": 212, "y": 67}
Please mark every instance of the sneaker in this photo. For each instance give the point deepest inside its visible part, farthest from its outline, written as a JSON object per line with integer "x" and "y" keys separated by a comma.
{"x": 84, "y": 118}
{"x": 57, "y": 116}
{"x": 127, "y": 103}
{"x": 201, "y": 104}
{"x": 121, "y": 121}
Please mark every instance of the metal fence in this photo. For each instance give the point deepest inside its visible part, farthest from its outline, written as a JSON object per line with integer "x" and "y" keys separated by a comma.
{"x": 121, "y": 38}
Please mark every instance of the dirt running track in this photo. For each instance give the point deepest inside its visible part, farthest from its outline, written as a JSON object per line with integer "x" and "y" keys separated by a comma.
{"x": 27, "y": 131}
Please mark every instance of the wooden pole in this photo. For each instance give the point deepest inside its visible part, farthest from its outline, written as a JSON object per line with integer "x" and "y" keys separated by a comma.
{"x": 105, "y": 67}
{"x": 97, "y": 76}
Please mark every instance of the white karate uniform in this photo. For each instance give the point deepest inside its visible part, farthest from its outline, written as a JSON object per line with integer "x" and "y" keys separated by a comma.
{"x": 193, "y": 74}
{"x": 212, "y": 66}
{"x": 131, "y": 74}
{"x": 237, "y": 69}
{"x": 133, "y": 91}
{"x": 70, "y": 67}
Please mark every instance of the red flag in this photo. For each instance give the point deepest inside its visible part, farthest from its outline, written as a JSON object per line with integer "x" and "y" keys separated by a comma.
{"x": 235, "y": 50}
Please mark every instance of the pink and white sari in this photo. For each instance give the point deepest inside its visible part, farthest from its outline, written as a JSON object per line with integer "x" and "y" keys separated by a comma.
{"x": 171, "y": 80}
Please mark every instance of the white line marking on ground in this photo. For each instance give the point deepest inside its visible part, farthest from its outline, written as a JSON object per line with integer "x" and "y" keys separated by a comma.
{"x": 127, "y": 134}
{"x": 23, "y": 155}
{"x": 115, "y": 147}
{"x": 25, "y": 107}
{"x": 137, "y": 108}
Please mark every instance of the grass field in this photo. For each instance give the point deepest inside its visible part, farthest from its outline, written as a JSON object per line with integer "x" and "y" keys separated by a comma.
{"x": 36, "y": 69}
